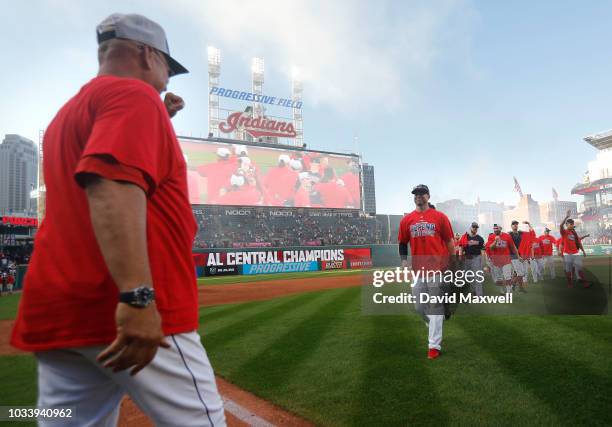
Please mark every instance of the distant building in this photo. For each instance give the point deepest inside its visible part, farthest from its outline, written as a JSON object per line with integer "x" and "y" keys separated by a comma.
{"x": 369, "y": 189}
{"x": 490, "y": 213}
{"x": 527, "y": 209}
{"x": 460, "y": 214}
{"x": 551, "y": 213}
{"x": 18, "y": 175}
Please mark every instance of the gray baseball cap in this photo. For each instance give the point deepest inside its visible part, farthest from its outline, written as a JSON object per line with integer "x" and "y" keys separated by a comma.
{"x": 139, "y": 29}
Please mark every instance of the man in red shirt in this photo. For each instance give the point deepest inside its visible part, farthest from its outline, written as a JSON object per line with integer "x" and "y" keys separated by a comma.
{"x": 569, "y": 249}
{"x": 498, "y": 248}
{"x": 119, "y": 314}
{"x": 547, "y": 241}
{"x": 332, "y": 194}
{"x": 280, "y": 181}
{"x": 218, "y": 174}
{"x": 430, "y": 236}
{"x": 537, "y": 263}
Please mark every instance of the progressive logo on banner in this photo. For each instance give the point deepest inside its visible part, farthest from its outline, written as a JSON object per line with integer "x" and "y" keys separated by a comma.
{"x": 285, "y": 267}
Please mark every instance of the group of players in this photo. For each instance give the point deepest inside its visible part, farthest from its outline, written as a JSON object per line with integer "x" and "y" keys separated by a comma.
{"x": 302, "y": 180}
{"x": 510, "y": 257}
{"x": 8, "y": 272}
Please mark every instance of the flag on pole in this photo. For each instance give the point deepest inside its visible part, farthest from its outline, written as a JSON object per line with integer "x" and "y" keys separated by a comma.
{"x": 517, "y": 187}
{"x": 555, "y": 194}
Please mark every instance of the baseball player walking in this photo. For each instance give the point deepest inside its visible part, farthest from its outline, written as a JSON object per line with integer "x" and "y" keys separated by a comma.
{"x": 472, "y": 250}
{"x": 119, "y": 314}
{"x": 430, "y": 236}
{"x": 519, "y": 264}
{"x": 570, "y": 244}
{"x": 500, "y": 248}
{"x": 547, "y": 241}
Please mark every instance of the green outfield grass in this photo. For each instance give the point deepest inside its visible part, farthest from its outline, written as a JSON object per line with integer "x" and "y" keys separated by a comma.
{"x": 223, "y": 280}
{"x": 8, "y": 306}
{"x": 316, "y": 354}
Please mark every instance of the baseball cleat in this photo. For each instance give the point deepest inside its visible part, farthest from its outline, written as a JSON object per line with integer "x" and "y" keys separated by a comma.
{"x": 433, "y": 353}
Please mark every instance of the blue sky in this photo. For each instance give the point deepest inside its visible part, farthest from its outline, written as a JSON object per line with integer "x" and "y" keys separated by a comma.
{"x": 460, "y": 95}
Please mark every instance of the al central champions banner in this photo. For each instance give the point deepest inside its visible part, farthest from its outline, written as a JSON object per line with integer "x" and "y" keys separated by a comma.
{"x": 281, "y": 260}
{"x": 271, "y": 256}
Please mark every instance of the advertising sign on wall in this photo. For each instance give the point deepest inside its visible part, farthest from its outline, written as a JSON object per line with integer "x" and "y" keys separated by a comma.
{"x": 286, "y": 267}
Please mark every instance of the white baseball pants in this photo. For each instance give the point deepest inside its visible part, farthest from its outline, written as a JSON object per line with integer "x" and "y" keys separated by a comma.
{"x": 432, "y": 313}
{"x": 177, "y": 388}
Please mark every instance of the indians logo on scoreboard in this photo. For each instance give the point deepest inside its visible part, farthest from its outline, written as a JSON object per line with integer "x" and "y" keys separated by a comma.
{"x": 258, "y": 126}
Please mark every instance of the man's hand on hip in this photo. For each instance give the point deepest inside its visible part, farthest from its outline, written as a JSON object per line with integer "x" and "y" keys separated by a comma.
{"x": 139, "y": 334}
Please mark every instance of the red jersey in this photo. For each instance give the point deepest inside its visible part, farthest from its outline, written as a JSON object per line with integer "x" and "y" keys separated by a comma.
{"x": 117, "y": 128}
{"x": 569, "y": 241}
{"x": 302, "y": 198}
{"x": 500, "y": 254}
{"x": 527, "y": 238}
{"x": 427, "y": 233}
{"x": 333, "y": 195}
{"x": 546, "y": 244}
{"x": 280, "y": 182}
{"x": 537, "y": 248}
{"x": 217, "y": 175}
{"x": 193, "y": 184}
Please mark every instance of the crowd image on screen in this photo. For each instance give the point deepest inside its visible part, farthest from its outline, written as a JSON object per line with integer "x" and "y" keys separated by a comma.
{"x": 297, "y": 179}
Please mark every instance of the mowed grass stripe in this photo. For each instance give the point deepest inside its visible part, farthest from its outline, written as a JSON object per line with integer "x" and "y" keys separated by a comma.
{"x": 598, "y": 328}
{"x": 396, "y": 387}
{"x": 281, "y": 311}
{"x": 8, "y": 306}
{"x": 19, "y": 384}
{"x": 580, "y": 348}
{"x": 541, "y": 359}
{"x": 228, "y": 280}
{"x": 475, "y": 390}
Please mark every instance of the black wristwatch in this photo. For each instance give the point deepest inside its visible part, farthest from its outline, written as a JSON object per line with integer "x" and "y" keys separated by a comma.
{"x": 140, "y": 297}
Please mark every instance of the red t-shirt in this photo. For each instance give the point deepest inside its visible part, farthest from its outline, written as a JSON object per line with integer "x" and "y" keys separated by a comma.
{"x": 427, "y": 233}
{"x": 526, "y": 244}
{"x": 280, "y": 182}
{"x": 537, "y": 249}
{"x": 217, "y": 175}
{"x": 117, "y": 128}
{"x": 333, "y": 195}
{"x": 546, "y": 243}
{"x": 569, "y": 241}
{"x": 500, "y": 254}
{"x": 302, "y": 198}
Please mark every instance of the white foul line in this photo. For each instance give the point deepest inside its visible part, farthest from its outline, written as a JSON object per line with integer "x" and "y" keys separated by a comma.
{"x": 244, "y": 414}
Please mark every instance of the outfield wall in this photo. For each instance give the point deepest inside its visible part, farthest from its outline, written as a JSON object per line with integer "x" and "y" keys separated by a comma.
{"x": 272, "y": 260}
{"x": 251, "y": 261}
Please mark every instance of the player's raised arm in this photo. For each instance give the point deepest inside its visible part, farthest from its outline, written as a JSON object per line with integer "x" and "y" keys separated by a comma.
{"x": 562, "y": 223}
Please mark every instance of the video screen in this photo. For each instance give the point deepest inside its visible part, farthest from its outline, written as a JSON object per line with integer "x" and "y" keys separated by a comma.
{"x": 221, "y": 173}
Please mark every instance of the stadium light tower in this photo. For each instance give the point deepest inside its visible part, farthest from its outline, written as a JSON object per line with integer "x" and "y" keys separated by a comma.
{"x": 257, "y": 73}
{"x": 214, "y": 71}
{"x": 296, "y": 96}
